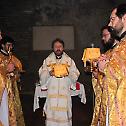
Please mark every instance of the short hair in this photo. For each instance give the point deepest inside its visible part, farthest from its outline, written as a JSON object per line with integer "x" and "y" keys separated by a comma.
{"x": 6, "y": 39}
{"x": 57, "y": 40}
{"x": 121, "y": 10}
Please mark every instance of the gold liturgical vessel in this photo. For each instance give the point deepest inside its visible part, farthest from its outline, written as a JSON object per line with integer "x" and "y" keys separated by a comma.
{"x": 90, "y": 55}
{"x": 60, "y": 70}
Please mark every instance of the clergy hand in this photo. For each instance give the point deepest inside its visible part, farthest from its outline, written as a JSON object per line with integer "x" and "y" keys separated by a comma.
{"x": 51, "y": 73}
{"x": 95, "y": 74}
{"x": 10, "y": 67}
{"x": 65, "y": 75}
{"x": 102, "y": 62}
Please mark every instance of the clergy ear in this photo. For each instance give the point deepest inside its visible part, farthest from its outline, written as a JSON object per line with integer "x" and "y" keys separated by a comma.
{"x": 124, "y": 17}
{"x": 2, "y": 45}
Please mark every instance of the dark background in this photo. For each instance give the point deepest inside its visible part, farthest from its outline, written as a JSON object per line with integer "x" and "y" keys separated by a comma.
{"x": 17, "y": 17}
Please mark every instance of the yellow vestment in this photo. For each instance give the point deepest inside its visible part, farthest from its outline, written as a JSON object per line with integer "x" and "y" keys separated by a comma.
{"x": 9, "y": 81}
{"x": 114, "y": 89}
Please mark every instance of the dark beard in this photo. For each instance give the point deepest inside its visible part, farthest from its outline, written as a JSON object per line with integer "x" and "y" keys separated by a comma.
{"x": 108, "y": 45}
{"x": 58, "y": 54}
{"x": 116, "y": 34}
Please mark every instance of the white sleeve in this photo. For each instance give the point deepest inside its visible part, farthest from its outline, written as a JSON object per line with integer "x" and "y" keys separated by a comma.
{"x": 43, "y": 73}
{"x": 73, "y": 72}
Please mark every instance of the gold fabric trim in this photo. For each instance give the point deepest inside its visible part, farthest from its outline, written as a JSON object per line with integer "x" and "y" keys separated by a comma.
{"x": 59, "y": 120}
{"x": 57, "y": 96}
{"x": 59, "y": 109}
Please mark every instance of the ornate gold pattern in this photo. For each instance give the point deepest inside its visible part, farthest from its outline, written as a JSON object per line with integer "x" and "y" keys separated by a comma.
{"x": 114, "y": 89}
{"x": 10, "y": 82}
{"x": 59, "y": 120}
{"x": 59, "y": 108}
{"x": 57, "y": 96}
{"x": 60, "y": 70}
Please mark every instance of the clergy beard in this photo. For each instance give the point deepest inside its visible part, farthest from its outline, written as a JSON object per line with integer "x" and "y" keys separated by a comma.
{"x": 58, "y": 53}
{"x": 118, "y": 30}
{"x": 108, "y": 45}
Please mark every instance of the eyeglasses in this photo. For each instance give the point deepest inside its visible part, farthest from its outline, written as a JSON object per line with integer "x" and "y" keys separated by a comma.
{"x": 104, "y": 35}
